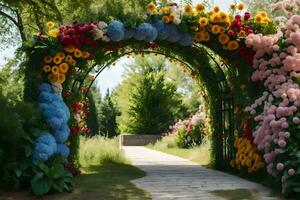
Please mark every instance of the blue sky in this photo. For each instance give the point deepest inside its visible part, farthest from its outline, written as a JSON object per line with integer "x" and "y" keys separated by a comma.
{"x": 112, "y": 76}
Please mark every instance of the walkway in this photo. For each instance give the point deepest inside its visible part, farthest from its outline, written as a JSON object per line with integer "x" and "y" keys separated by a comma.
{"x": 170, "y": 177}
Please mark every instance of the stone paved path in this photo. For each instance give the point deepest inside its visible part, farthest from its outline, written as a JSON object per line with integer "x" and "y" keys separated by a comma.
{"x": 170, "y": 177}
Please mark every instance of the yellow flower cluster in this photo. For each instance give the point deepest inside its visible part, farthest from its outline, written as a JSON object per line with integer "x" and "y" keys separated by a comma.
{"x": 262, "y": 18}
{"x": 53, "y": 32}
{"x": 247, "y": 156}
{"x": 58, "y": 65}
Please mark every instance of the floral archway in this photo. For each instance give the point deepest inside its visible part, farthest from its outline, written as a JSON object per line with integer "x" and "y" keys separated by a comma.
{"x": 250, "y": 48}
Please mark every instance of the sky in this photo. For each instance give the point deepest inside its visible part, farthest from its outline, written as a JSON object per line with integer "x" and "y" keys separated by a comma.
{"x": 112, "y": 76}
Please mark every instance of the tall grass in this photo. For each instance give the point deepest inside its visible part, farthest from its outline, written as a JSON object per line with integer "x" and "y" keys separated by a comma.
{"x": 98, "y": 150}
{"x": 199, "y": 154}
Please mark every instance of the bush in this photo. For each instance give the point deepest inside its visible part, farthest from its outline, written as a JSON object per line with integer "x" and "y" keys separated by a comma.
{"x": 187, "y": 139}
{"x": 99, "y": 149}
{"x": 16, "y": 144}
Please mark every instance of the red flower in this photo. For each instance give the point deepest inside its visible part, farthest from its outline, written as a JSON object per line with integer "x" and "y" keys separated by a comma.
{"x": 247, "y": 16}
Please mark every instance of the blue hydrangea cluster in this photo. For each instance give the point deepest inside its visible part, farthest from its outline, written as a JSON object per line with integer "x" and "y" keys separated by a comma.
{"x": 117, "y": 32}
{"x": 56, "y": 114}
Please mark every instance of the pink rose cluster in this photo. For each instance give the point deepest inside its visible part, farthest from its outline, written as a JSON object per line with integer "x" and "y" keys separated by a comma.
{"x": 281, "y": 100}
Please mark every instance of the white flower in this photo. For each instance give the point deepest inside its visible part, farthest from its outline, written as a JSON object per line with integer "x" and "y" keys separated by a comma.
{"x": 105, "y": 38}
{"x": 102, "y": 25}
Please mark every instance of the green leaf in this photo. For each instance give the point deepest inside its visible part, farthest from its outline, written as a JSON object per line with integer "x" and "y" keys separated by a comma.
{"x": 44, "y": 168}
{"x": 57, "y": 171}
{"x": 18, "y": 172}
{"x": 40, "y": 184}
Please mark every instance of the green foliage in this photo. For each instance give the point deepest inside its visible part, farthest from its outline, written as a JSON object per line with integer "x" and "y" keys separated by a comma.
{"x": 98, "y": 150}
{"x": 107, "y": 115}
{"x": 92, "y": 118}
{"x": 152, "y": 104}
{"x": 16, "y": 141}
{"x": 51, "y": 176}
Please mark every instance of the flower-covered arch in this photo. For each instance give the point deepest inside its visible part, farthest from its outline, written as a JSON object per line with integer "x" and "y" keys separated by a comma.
{"x": 218, "y": 48}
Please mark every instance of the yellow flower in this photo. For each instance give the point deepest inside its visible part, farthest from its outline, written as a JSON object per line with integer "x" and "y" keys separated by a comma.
{"x": 165, "y": 10}
{"x": 61, "y": 78}
{"x": 194, "y": 13}
{"x": 57, "y": 60}
{"x": 215, "y": 18}
{"x": 203, "y": 21}
{"x": 77, "y": 53}
{"x": 166, "y": 19}
{"x": 222, "y": 29}
{"x": 223, "y": 38}
{"x": 172, "y": 17}
{"x": 85, "y": 54}
{"x": 215, "y": 29}
{"x": 55, "y": 70}
{"x": 258, "y": 18}
{"x": 188, "y": 9}
{"x": 54, "y": 32}
{"x": 223, "y": 16}
{"x": 63, "y": 67}
{"x": 47, "y": 68}
{"x": 61, "y": 55}
{"x": 199, "y": 37}
{"x": 200, "y": 7}
{"x": 68, "y": 58}
{"x": 241, "y": 6}
{"x": 50, "y": 24}
{"x": 73, "y": 62}
{"x": 151, "y": 7}
{"x": 206, "y": 36}
{"x": 216, "y": 9}
{"x": 48, "y": 59}
{"x": 233, "y": 45}
{"x": 266, "y": 20}
{"x": 242, "y": 33}
{"x": 263, "y": 14}
{"x": 232, "y": 7}
{"x": 69, "y": 49}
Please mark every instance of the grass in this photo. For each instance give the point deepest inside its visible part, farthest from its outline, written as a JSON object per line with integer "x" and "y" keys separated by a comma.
{"x": 198, "y": 154}
{"x": 237, "y": 194}
{"x": 106, "y": 174}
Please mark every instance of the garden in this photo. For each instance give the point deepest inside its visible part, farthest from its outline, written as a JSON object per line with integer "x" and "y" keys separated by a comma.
{"x": 210, "y": 82}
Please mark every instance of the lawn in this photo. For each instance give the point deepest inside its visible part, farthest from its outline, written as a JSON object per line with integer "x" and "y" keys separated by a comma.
{"x": 198, "y": 154}
{"x": 243, "y": 194}
{"x": 106, "y": 175}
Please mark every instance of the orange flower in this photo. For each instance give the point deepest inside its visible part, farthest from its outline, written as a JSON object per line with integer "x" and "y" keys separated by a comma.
{"x": 166, "y": 19}
{"x": 57, "y": 60}
{"x": 199, "y": 37}
{"x": 69, "y": 49}
{"x": 151, "y": 7}
{"x": 50, "y": 24}
{"x": 188, "y": 9}
{"x": 48, "y": 59}
{"x": 215, "y": 29}
{"x": 232, "y": 7}
{"x": 206, "y": 36}
{"x": 223, "y": 38}
{"x": 73, "y": 62}
{"x": 63, "y": 67}
{"x": 55, "y": 70}
{"x": 233, "y": 45}
{"x": 85, "y": 54}
{"x": 61, "y": 78}
{"x": 52, "y": 77}
{"x": 61, "y": 55}
{"x": 216, "y": 9}
{"x": 47, "y": 68}
{"x": 241, "y": 6}
{"x": 77, "y": 53}
{"x": 68, "y": 58}
{"x": 200, "y": 7}
{"x": 203, "y": 21}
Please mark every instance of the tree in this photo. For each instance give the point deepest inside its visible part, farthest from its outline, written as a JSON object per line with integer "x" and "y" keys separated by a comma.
{"x": 153, "y": 104}
{"x": 108, "y": 117}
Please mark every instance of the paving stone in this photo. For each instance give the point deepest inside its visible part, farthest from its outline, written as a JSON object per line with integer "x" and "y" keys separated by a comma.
{"x": 173, "y": 178}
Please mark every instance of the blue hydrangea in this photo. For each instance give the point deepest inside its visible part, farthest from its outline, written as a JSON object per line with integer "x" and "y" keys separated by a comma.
{"x": 116, "y": 31}
{"x": 129, "y": 33}
{"x": 61, "y": 135}
{"x": 186, "y": 39}
{"x": 54, "y": 122}
{"x": 45, "y": 87}
{"x": 174, "y": 34}
{"x": 45, "y": 147}
{"x": 152, "y": 35}
{"x": 62, "y": 150}
{"x": 45, "y": 97}
{"x": 145, "y": 32}
{"x": 162, "y": 30}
